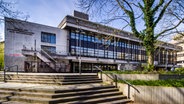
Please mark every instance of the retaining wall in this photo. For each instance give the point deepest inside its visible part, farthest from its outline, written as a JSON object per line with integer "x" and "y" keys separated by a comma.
{"x": 151, "y": 94}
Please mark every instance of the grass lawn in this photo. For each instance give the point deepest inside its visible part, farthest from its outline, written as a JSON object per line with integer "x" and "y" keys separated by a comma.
{"x": 166, "y": 83}
{"x": 177, "y": 71}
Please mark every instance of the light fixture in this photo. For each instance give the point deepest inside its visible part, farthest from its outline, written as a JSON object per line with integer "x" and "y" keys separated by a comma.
{"x": 77, "y": 31}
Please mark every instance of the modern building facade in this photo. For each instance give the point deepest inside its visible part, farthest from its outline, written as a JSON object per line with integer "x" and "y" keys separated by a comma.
{"x": 77, "y": 45}
{"x": 179, "y": 41}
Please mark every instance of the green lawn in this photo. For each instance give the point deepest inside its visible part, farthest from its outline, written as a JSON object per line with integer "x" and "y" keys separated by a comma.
{"x": 1, "y": 54}
{"x": 177, "y": 71}
{"x": 166, "y": 83}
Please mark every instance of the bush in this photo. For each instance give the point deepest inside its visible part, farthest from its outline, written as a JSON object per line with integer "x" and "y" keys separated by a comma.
{"x": 181, "y": 70}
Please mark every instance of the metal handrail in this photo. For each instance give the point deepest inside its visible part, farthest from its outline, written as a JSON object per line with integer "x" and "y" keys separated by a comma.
{"x": 7, "y": 68}
{"x": 116, "y": 79}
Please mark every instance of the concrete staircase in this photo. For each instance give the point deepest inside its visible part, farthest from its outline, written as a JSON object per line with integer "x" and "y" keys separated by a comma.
{"x": 59, "y": 89}
{"x": 54, "y": 79}
{"x": 42, "y": 55}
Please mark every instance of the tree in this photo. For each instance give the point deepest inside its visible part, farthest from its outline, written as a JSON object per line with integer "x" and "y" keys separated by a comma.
{"x": 7, "y": 10}
{"x": 160, "y": 17}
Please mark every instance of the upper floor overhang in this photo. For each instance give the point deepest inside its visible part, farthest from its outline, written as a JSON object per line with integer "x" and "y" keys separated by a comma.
{"x": 75, "y": 23}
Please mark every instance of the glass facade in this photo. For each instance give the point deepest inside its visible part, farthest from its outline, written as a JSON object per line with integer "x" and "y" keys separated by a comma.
{"x": 48, "y": 37}
{"x": 167, "y": 56}
{"x": 102, "y": 46}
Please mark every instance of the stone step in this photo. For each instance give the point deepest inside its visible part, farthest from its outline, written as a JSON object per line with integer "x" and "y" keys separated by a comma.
{"x": 12, "y": 102}
{"x": 56, "y": 95}
{"x": 122, "y": 101}
{"x": 69, "y": 76}
{"x": 82, "y": 82}
{"x": 47, "y": 89}
{"x": 25, "y": 99}
{"x": 56, "y": 83}
{"x": 102, "y": 100}
{"x": 44, "y": 100}
{"x": 66, "y": 90}
{"x": 89, "y": 96}
{"x": 55, "y": 80}
{"x": 51, "y": 76}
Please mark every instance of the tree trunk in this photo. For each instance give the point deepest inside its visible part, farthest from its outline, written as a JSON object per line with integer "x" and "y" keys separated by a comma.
{"x": 150, "y": 61}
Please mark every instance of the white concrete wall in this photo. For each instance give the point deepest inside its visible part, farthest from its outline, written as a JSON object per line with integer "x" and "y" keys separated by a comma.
{"x": 14, "y": 41}
{"x": 150, "y": 94}
{"x": 147, "y": 76}
{"x": 159, "y": 95}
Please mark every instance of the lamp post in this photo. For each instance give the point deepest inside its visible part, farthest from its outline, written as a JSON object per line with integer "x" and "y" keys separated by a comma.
{"x": 80, "y": 32}
{"x": 166, "y": 63}
{"x": 129, "y": 52}
{"x": 79, "y": 48}
{"x": 79, "y": 45}
{"x": 79, "y": 54}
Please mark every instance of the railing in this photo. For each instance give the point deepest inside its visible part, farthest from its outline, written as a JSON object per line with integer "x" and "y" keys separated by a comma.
{"x": 8, "y": 68}
{"x": 47, "y": 55}
{"x": 115, "y": 79}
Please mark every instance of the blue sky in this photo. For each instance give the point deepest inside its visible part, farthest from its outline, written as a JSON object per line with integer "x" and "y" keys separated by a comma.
{"x": 48, "y": 12}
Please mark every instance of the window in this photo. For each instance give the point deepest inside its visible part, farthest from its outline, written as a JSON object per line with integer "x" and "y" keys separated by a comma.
{"x": 48, "y": 37}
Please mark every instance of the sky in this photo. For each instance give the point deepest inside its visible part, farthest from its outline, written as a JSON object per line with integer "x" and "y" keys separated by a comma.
{"x": 47, "y": 12}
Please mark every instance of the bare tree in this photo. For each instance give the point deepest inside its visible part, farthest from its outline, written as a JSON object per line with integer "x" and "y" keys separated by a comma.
{"x": 148, "y": 19}
{"x": 7, "y": 10}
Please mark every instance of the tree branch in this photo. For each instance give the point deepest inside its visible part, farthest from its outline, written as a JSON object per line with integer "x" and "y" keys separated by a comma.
{"x": 181, "y": 21}
{"x": 130, "y": 13}
{"x": 158, "y": 6}
{"x": 161, "y": 13}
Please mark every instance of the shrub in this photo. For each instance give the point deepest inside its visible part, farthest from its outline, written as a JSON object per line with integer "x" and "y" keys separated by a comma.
{"x": 180, "y": 70}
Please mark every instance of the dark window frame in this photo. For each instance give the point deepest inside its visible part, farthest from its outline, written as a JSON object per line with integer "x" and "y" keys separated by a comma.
{"x": 48, "y": 37}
